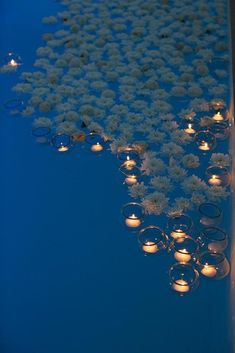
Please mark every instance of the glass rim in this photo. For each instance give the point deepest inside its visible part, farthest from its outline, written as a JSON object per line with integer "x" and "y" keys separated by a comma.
{"x": 210, "y": 204}
{"x": 163, "y": 234}
{"x": 187, "y": 266}
{"x": 225, "y": 170}
{"x": 141, "y": 208}
{"x": 48, "y": 131}
{"x": 214, "y": 254}
{"x": 204, "y": 234}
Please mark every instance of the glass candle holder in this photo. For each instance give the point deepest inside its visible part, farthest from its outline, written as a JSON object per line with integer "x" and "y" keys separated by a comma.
{"x": 221, "y": 130}
{"x": 41, "y": 134}
{"x": 184, "y": 249}
{"x": 213, "y": 265}
{"x": 133, "y": 214}
{"x": 210, "y": 214}
{"x": 131, "y": 177}
{"x": 213, "y": 239}
{"x": 179, "y": 225}
{"x": 219, "y": 110}
{"x": 205, "y": 140}
{"x": 13, "y": 104}
{"x": 152, "y": 239}
{"x": 217, "y": 175}
{"x": 128, "y": 157}
{"x": 96, "y": 142}
{"x": 184, "y": 278}
{"x": 190, "y": 126}
{"x": 13, "y": 60}
{"x": 61, "y": 142}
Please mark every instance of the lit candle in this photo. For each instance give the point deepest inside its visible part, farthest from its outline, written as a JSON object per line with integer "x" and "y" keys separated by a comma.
{"x": 63, "y": 148}
{"x": 13, "y": 63}
{"x": 181, "y": 286}
{"x": 129, "y": 163}
{"x": 208, "y": 271}
{"x": 150, "y": 247}
{"x": 182, "y": 256}
{"x": 130, "y": 180}
{"x": 218, "y": 117}
{"x": 204, "y": 146}
{"x": 97, "y": 147}
{"x": 214, "y": 180}
{"x": 190, "y": 130}
{"x": 178, "y": 233}
{"x": 133, "y": 221}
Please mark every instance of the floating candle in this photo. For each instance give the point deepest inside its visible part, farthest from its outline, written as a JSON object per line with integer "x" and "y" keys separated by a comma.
{"x": 129, "y": 163}
{"x": 190, "y": 130}
{"x": 13, "y": 63}
{"x": 150, "y": 247}
{"x": 208, "y": 271}
{"x": 178, "y": 233}
{"x": 63, "y": 148}
{"x": 182, "y": 256}
{"x": 131, "y": 180}
{"x": 218, "y": 117}
{"x": 133, "y": 221}
{"x": 97, "y": 147}
{"x": 181, "y": 286}
{"x": 204, "y": 146}
{"x": 214, "y": 180}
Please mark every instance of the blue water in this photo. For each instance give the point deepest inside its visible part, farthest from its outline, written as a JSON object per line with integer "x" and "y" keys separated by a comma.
{"x": 72, "y": 279}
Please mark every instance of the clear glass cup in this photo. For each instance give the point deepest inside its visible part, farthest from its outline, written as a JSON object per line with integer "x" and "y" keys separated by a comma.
{"x": 218, "y": 176}
{"x": 213, "y": 239}
{"x": 42, "y": 134}
{"x": 132, "y": 176}
{"x": 221, "y": 130}
{"x": 184, "y": 249}
{"x": 12, "y": 59}
{"x": 152, "y": 239}
{"x": 61, "y": 142}
{"x": 96, "y": 142}
{"x": 184, "y": 278}
{"x": 210, "y": 214}
{"x": 213, "y": 265}
{"x": 128, "y": 157}
{"x": 179, "y": 225}
{"x": 133, "y": 215}
{"x": 205, "y": 140}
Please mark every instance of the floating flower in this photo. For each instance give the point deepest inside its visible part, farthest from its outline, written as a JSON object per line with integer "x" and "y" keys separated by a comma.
{"x": 155, "y": 203}
{"x": 220, "y": 159}
{"x": 138, "y": 190}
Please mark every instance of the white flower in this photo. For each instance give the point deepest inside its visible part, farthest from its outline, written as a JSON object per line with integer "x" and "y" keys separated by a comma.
{"x": 161, "y": 183}
{"x": 155, "y": 203}
{"x": 190, "y": 161}
{"x": 137, "y": 190}
{"x": 66, "y": 127}
{"x": 152, "y": 166}
{"x": 42, "y": 122}
{"x": 220, "y": 159}
{"x": 49, "y": 20}
{"x": 183, "y": 203}
{"x": 197, "y": 198}
{"x": 193, "y": 184}
{"x": 176, "y": 173}
{"x": 217, "y": 193}
{"x": 172, "y": 149}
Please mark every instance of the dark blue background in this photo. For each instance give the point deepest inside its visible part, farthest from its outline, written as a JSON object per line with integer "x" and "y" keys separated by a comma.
{"x": 72, "y": 279}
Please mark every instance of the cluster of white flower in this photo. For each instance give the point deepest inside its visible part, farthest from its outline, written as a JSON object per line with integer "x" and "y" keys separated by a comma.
{"x": 135, "y": 71}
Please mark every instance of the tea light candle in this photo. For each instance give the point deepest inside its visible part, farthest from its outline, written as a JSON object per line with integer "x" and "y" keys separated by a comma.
{"x": 208, "y": 271}
{"x": 204, "y": 146}
{"x": 150, "y": 247}
{"x": 182, "y": 256}
{"x": 181, "y": 286}
{"x": 63, "y": 148}
{"x": 214, "y": 180}
{"x": 13, "y": 63}
{"x": 190, "y": 130}
{"x": 178, "y": 233}
{"x": 131, "y": 180}
{"x": 133, "y": 221}
{"x": 97, "y": 147}
{"x": 129, "y": 163}
{"x": 218, "y": 117}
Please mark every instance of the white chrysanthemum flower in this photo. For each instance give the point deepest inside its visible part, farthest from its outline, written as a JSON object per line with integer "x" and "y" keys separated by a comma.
{"x": 197, "y": 198}
{"x": 200, "y": 105}
{"x": 42, "y": 122}
{"x": 183, "y": 203}
{"x": 220, "y": 159}
{"x": 161, "y": 183}
{"x": 138, "y": 190}
{"x": 8, "y": 68}
{"x": 169, "y": 126}
{"x": 66, "y": 127}
{"x": 193, "y": 184}
{"x": 176, "y": 173}
{"x": 171, "y": 149}
{"x": 155, "y": 203}
{"x": 28, "y": 111}
{"x": 195, "y": 91}
{"x": 181, "y": 137}
{"x": 217, "y": 193}
{"x": 49, "y": 20}
{"x": 178, "y": 91}
{"x": 187, "y": 114}
{"x": 22, "y": 88}
{"x": 218, "y": 90}
{"x": 152, "y": 166}
{"x": 190, "y": 161}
